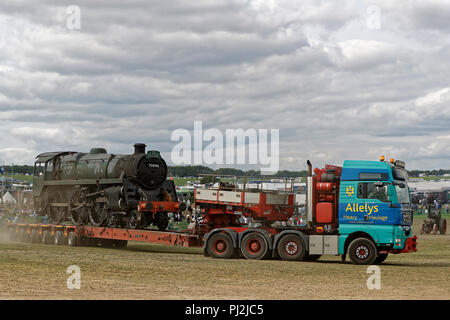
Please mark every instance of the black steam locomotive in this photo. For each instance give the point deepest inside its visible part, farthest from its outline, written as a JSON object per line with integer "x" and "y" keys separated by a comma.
{"x": 102, "y": 189}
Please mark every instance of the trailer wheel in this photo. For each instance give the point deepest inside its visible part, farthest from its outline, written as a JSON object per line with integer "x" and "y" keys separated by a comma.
{"x": 59, "y": 238}
{"x": 22, "y": 235}
{"x": 443, "y": 226}
{"x": 380, "y": 259}
{"x": 220, "y": 246}
{"x": 46, "y": 237}
{"x": 12, "y": 234}
{"x": 72, "y": 239}
{"x": 291, "y": 247}
{"x": 34, "y": 236}
{"x": 362, "y": 251}
{"x": 254, "y": 246}
{"x": 120, "y": 243}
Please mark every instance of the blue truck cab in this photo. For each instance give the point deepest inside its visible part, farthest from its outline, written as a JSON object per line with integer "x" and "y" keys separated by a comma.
{"x": 375, "y": 213}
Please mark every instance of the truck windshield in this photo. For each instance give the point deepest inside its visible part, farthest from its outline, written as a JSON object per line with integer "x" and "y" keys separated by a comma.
{"x": 403, "y": 195}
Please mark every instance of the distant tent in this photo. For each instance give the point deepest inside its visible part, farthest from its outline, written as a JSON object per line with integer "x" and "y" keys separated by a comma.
{"x": 8, "y": 198}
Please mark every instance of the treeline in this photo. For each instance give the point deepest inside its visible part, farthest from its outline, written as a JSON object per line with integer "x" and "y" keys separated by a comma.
{"x": 195, "y": 171}
{"x": 440, "y": 172}
{"x": 11, "y": 169}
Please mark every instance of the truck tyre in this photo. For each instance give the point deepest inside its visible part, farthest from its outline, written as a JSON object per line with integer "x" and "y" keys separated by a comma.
{"x": 362, "y": 251}
{"x": 443, "y": 226}
{"x": 72, "y": 239}
{"x": 220, "y": 246}
{"x": 46, "y": 237}
{"x": 291, "y": 248}
{"x": 380, "y": 259}
{"x": 254, "y": 246}
{"x": 59, "y": 238}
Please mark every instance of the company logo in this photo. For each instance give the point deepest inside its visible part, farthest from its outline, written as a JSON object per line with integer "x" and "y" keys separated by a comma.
{"x": 350, "y": 191}
{"x": 362, "y": 208}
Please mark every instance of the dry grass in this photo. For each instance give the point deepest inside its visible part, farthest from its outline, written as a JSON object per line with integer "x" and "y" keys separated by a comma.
{"x": 142, "y": 271}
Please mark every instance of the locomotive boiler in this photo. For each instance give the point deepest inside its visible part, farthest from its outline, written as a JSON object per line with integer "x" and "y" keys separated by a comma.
{"x": 103, "y": 189}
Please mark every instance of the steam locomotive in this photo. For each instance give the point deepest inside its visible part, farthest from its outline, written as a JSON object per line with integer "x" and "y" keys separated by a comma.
{"x": 102, "y": 189}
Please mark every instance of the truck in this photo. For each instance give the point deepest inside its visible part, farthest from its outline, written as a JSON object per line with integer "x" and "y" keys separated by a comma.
{"x": 361, "y": 209}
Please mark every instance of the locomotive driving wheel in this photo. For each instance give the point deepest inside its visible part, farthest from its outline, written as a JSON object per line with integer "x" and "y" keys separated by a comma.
{"x": 75, "y": 208}
{"x": 57, "y": 208}
{"x": 134, "y": 220}
{"x": 98, "y": 213}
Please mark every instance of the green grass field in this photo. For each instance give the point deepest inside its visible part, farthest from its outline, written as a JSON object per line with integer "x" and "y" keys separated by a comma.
{"x": 142, "y": 271}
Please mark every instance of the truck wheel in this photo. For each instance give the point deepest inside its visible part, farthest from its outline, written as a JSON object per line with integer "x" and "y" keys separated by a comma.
{"x": 72, "y": 239}
{"x": 380, "y": 259}
{"x": 443, "y": 226}
{"x": 362, "y": 251}
{"x": 220, "y": 246}
{"x": 291, "y": 248}
{"x": 254, "y": 246}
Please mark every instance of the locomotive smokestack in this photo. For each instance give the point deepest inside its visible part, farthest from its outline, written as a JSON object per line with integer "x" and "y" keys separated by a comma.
{"x": 139, "y": 148}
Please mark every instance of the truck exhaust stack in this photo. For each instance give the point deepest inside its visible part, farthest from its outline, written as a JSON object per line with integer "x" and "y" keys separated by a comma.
{"x": 309, "y": 194}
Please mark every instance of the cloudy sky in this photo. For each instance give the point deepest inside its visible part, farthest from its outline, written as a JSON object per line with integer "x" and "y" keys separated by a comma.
{"x": 339, "y": 79}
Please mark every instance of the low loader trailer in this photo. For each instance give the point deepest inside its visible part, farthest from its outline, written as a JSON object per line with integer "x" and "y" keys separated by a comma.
{"x": 96, "y": 236}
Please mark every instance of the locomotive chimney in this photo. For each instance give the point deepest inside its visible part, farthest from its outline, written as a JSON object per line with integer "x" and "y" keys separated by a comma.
{"x": 139, "y": 148}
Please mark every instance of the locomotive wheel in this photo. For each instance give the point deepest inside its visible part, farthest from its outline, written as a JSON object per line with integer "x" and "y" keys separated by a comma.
{"x": 254, "y": 246}
{"x": 220, "y": 246}
{"x": 75, "y": 208}
{"x": 162, "y": 221}
{"x": 362, "y": 251}
{"x": 133, "y": 220}
{"x": 291, "y": 248}
{"x": 57, "y": 213}
{"x": 443, "y": 226}
{"x": 98, "y": 215}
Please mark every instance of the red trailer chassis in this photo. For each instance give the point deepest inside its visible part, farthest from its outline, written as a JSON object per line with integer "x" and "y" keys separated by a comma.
{"x": 100, "y": 236}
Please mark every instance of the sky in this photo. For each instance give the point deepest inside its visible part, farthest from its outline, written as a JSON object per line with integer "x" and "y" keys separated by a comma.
{"x": 339, "y": 79}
